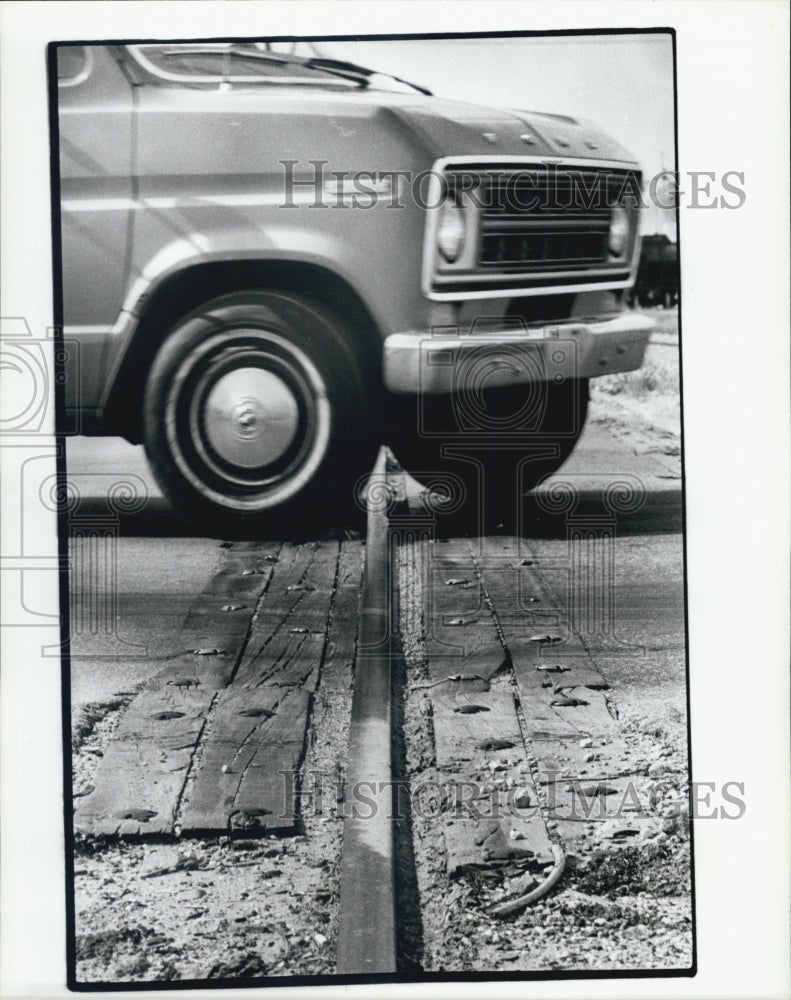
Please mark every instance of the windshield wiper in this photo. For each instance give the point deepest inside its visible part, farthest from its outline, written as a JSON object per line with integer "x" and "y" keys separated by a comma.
{"x": 354, "y": 72}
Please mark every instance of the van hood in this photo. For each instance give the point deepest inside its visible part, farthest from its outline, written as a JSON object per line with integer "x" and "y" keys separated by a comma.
{"x": 451, "y": 128}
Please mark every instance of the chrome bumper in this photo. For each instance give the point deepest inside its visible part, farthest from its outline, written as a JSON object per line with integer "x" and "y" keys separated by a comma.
{"x": 442, "y": 362}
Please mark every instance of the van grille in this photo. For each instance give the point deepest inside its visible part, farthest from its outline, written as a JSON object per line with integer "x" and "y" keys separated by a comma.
{"x": 540, "y": 226}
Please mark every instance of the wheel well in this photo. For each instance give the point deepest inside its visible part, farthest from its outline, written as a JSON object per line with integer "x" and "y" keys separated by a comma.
{"x": 188, "y": 289}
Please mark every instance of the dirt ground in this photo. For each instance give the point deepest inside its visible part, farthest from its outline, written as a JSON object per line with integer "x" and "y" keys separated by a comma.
{"x": 230, "y": 910}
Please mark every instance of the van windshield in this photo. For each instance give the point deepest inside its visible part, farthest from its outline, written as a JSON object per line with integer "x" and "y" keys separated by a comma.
{"x": 224, "y": 63}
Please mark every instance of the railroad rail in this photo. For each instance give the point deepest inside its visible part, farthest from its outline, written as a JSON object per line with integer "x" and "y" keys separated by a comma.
{"x": 367, "y": 921}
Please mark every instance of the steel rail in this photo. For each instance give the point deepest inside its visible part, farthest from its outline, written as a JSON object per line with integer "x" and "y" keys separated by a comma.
{"x": 367, "y": 921}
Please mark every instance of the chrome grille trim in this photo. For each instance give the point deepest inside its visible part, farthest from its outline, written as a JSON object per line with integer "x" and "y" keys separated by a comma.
{"x": 538, "y": 245}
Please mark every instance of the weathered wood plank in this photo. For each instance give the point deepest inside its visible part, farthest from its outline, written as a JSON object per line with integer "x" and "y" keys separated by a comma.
{"x": 548, "y": 669}
{"x": 194, "y": 670}
{"x": 145, "y": 765}
{"x": 243, "y": 571}
{"x": 453, "y": 558}
{"x": 476, "y": 645}
{"x": 481, "y": 752}
{"x": 249, "y": 763}
{"x": 583, "y": 757}
{"x": 469, "y": 727}
{"x": 143, "y": 794}
{"x": 551, "y": 701}
{"x": 618, "y": 807}
{"x": 289, "y": 635}
{"x": 288, "y": 660}
{"x": 611, "y": 808}
{"x": 563, "y": 701}
{"x": 486, "y": 662}
{"x": 582, "y": 761}
{"x": 301, "y": 570}
{"x": 521, "y": 602}
{"x": 502, "y": 549}
{"x": 593, "y": 785}
{"x": 209, "y": 604}
{"x": 473, "y": 843}
{"x": 471, "y": 647}
{"x": 525, "y": 603}
{"x": 546, "y": 715}
{"x": 458, "y": 623}
{"x": 172, "y": 717}
{"x": 479, "y": 652}
{"x": 297, "y": 604}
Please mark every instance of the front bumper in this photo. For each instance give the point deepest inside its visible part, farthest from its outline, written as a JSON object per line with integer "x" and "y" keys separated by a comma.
{"x": 447, "y": 361}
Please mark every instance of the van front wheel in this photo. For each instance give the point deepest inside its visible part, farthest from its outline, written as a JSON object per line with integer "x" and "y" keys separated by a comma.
{"x": 255, "y": 414}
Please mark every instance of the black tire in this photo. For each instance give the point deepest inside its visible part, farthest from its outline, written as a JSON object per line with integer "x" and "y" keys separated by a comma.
{"x": 483, "y": 466}
{"x": 256, "y": 415}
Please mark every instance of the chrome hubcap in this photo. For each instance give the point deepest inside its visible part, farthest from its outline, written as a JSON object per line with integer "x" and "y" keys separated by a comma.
{"x": 251, "y": 417}
{"x": 248, "y": 419}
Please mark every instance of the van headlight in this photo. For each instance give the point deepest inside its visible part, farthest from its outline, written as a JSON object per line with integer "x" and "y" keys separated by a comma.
{"x": 451, "y": 230}
{"x": 618, "y": 238}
